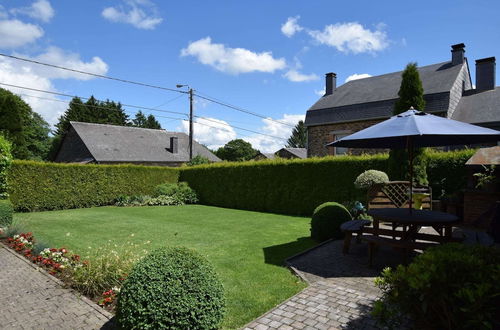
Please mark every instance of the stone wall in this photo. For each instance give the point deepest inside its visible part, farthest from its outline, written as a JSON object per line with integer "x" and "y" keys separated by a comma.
{"x": 318, "y": 136}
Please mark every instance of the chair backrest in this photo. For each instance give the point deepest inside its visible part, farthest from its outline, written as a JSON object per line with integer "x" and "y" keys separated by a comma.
{"x": 395, "y": 194}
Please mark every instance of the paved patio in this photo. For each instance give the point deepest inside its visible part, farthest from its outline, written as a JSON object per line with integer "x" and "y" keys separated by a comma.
{"x": 340, "y": 294}
{"x": 32, "y": 299}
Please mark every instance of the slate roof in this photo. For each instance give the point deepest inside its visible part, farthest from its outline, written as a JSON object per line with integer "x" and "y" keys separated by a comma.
{"x": 374, "y": 97}
{"x": 479, "y": 107}
{"x": 111, "y": 143}
{"x": 268, "y": 155}
{"x": 299, "y": 152}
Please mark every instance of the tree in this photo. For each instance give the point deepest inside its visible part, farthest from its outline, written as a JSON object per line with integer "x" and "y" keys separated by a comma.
{"x": 198, "y": 160}
{"x": 236, "y": 151}
{"x": 298, "y": 139}
{"x": 411, "y": 94}
{"x": 26, "y": 129}
{"x": 139, "y": 120}
{"x": 151, "y": 122}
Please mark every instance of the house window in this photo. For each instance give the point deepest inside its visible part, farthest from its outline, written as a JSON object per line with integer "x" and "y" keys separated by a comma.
{"x": 339, "y": 150}
{"x": 334, "y": 136}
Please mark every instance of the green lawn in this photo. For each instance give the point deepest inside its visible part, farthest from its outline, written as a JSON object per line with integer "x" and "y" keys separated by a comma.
{"x": 246, "y": 248}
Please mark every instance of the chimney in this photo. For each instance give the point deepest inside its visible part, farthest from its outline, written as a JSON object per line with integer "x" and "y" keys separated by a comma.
{"x": 331, "y": 83}
{"x": 457, "y": 54}
{"x": 485, "y": 73}
{"x": 174, "y": 144}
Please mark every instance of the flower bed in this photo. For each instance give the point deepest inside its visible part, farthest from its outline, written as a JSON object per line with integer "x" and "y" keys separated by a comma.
{"x": 73, "y": 270}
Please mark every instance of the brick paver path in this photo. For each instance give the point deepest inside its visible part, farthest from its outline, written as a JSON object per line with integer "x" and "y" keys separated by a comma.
{"x": 340, "y": 294}
{"x": 32, "y": 299}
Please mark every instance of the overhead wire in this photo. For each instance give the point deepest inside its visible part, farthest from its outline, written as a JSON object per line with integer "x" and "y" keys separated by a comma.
{"x": 92, "y": 74}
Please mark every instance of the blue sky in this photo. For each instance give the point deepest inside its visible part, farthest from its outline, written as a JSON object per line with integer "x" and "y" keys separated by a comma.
{"x": 269, "y": 57}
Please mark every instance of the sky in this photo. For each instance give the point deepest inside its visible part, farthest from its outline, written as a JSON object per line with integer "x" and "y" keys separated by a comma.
{"x": 267, "y": 57}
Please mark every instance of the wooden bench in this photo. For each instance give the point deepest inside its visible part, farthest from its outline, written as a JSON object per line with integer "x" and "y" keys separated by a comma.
{"x": 350, "y": 227}
{"x": 407, "y": 246}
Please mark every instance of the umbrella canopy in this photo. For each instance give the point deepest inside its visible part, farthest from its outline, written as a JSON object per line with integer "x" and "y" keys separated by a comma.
{"x": 419, "y": 129}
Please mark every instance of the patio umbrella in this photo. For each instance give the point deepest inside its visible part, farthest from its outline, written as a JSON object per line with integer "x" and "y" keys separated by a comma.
{"x": 414, "y": 129}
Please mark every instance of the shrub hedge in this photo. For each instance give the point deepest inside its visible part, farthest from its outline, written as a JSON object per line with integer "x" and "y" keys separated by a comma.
{"x": 299, "y": 186}
{"x": 280, "y": 186}
{"x": 5, "y": 163}
{"x": 446, "y": 171}
{"x": 36, "y": 186}
{"x": 171, "y": 288}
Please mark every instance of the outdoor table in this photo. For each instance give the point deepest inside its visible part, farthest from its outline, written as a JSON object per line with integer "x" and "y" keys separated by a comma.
{"x": 440, "y": 221}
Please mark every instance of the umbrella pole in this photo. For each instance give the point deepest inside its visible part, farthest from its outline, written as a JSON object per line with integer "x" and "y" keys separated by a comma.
{"x": 410, "y": 156}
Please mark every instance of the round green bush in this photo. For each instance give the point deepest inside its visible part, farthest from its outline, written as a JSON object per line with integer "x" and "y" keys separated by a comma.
{"x": 369, "y": 178}
{"x": 6, "y": 211}
{"x": 171, "y": 288}
{"x": 326, "y": 221}
{"x": 452, "y": 286}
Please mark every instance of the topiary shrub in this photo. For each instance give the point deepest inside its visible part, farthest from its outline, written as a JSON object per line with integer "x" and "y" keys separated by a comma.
{"x": 171, "y": 288}
{"x": 6, "y": 211}
{"x": 453, "y": 286}
{"x": 326, "y": 221}
{"x": 369, "y": 178}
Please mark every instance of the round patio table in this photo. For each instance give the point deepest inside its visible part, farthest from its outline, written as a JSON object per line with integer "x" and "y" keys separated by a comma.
{"x": 417, "y": 218}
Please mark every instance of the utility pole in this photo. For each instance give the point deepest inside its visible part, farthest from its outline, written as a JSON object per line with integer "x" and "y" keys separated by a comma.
{"x": 190, "y": 124}
{"x": 190, "y": 92}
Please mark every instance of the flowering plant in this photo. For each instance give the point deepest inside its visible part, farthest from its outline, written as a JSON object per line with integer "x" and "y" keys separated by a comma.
{"x": 108, "y": 297}
{"x": 22, "y": 242}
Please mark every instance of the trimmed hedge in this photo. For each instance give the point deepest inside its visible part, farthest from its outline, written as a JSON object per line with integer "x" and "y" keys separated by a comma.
{"x": 171, "y": 288}
{"x": 36, "y": 186}
{"x": 280, "y": 186}
{"x": 298, "y": 186}
{"x": 446, "y": 171}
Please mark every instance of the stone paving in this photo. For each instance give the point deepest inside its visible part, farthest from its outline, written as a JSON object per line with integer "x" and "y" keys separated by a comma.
{"x": 32, "y": 299}
{"x": 340, "y": 294}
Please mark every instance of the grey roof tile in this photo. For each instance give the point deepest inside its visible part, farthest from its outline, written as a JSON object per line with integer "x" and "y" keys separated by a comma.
{"x": 374, "y": 97}
{"x": 111, "y": 143}
{"x": 479, "y": 107}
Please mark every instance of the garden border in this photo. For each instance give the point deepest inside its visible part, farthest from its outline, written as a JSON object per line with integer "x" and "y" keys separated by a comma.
{"x": 86, "y": 300}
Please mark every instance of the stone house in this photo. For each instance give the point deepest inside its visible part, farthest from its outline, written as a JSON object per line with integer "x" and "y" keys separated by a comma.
{"x": 111, "y": 144}
{"x": 358, "y": 104}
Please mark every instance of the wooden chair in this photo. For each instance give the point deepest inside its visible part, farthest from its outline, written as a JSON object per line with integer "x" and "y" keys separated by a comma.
{"x": 394, "y": 194}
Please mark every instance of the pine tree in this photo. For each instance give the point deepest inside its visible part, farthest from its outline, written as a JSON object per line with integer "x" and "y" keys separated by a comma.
{"x": 298, "y": 139}
{"x": 151, "y": 122}
{"x": 411, "y": 94}
{"x": 141, "y": 120}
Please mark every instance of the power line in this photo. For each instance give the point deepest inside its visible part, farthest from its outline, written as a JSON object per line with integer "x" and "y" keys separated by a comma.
{"x": 92, "y": 74}
{"x": 86, "y": 98}
{"x": 159, "y": 116}
{"x": 241, "y": 109}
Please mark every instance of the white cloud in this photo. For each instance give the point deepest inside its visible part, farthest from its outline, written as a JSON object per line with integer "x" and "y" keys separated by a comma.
{"x": 320, "y": 92}
{"x": 290, "y": 27}
{"x": 40, "y": 9}
{"x": 296, "y": 76}
{"x": 232, "y": 60}
{"x": 352, "y": 37}
{"x": 269, "y": 144}
{"x": 38, "y": 77}
{"x": 57, "y": 56}
{"x": 357, "y": 76}
{"x": 14, "y": 33}
{"x": 140, "y": 13}
{"x": 213, "y": 133}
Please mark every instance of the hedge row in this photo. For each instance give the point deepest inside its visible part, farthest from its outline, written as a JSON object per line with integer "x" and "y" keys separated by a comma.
{"x": 280, "y": 186}
{"x": 299, "y": 186}
{"x": 446, "y": 171}
{"x": 36, "y": 186}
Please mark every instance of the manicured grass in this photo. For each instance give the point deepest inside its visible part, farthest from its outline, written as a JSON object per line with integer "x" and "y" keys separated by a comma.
{"x": 246, "y": 248}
